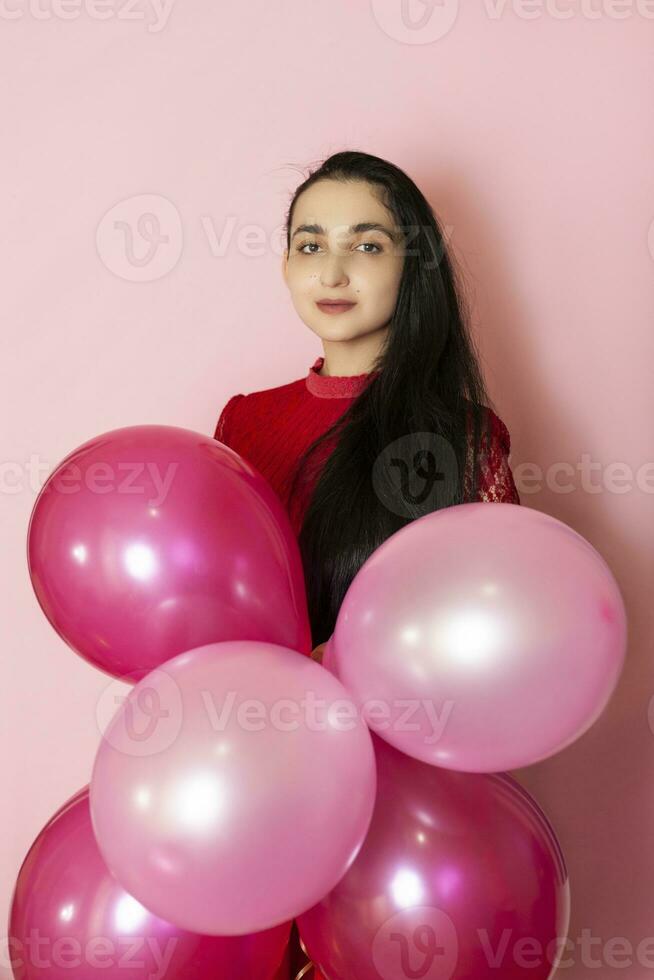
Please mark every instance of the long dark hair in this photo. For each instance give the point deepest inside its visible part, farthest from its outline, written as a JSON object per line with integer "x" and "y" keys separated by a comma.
{"x": 428, "y": 392}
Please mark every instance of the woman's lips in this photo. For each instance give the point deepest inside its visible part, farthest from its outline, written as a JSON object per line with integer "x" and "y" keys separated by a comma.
{"x": 335, "y": 307}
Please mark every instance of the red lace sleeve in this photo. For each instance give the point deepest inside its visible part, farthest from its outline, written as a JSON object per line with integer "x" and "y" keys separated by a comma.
{"x": 496, "y": 483}
{"x": 222, "y": 432}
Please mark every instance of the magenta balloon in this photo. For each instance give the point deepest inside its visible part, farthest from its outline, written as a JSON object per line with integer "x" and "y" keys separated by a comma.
{"x": 456, "y": 868}
{"x": 481, "y": 638}
{"x": 150, "y": 540}
{"x": 247, "y": 798}
{"x": 71, "y": 919}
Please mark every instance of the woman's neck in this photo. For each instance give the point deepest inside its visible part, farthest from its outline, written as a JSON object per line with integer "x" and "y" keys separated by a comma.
{"x": 345, "y": 359}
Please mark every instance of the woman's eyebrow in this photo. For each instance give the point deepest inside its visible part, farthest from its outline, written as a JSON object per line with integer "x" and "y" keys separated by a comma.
{"x": 362, "y": 226}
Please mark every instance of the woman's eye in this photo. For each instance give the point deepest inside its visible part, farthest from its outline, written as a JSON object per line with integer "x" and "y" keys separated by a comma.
{"x": 301, "y": 248}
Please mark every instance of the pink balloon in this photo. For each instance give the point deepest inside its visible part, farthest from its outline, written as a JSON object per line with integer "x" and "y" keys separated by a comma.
{"x": 71, "y": 919}
{"x": 481, "y": 638}
{"x": 328, "y": 656}
{"x": 247, "y": 797}
{"x": 150, "y": 540}
{"x": 456, "y": 868}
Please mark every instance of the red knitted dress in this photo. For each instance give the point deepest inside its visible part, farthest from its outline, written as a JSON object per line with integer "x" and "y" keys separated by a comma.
{"x": 273, "y": 427}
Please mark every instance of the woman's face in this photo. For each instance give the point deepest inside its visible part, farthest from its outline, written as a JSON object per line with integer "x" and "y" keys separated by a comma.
{"x": 329, "y": 259}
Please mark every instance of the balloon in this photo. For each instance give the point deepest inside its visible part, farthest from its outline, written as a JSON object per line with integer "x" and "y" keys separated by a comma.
{"x": 150, "y": 540}
{"x": 457, "y": 868}
{"x": 247, "y": 797}
{"x": 481, "y": 638}
{"x": 328, "y": 656}
{"x": 71, "y": 919}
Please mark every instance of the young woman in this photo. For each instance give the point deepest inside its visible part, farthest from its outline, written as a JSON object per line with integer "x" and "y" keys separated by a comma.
{"x": 394, "y": 419}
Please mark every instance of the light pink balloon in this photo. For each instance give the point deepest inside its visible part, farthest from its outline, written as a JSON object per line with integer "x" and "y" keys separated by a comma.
{"x": 233, "y": 788}
{"x": 71, "y": 919}
{"x": 150, "y": 540}
{"x": 481, "y": 637}
{"x": 328, "y": 656}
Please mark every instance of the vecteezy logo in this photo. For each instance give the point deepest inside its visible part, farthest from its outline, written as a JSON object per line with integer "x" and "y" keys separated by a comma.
{"x": 650, "y": 238}
{"x": 416, "y": 474}
{"x": 140, "y": 239}
{"x": 415, "y": 21}
{"x": 144, "y": 720}
{"x": 418, "y": 943}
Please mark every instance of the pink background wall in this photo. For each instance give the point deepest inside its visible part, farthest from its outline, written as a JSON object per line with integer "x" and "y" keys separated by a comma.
{"x": 528, "y": 126}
